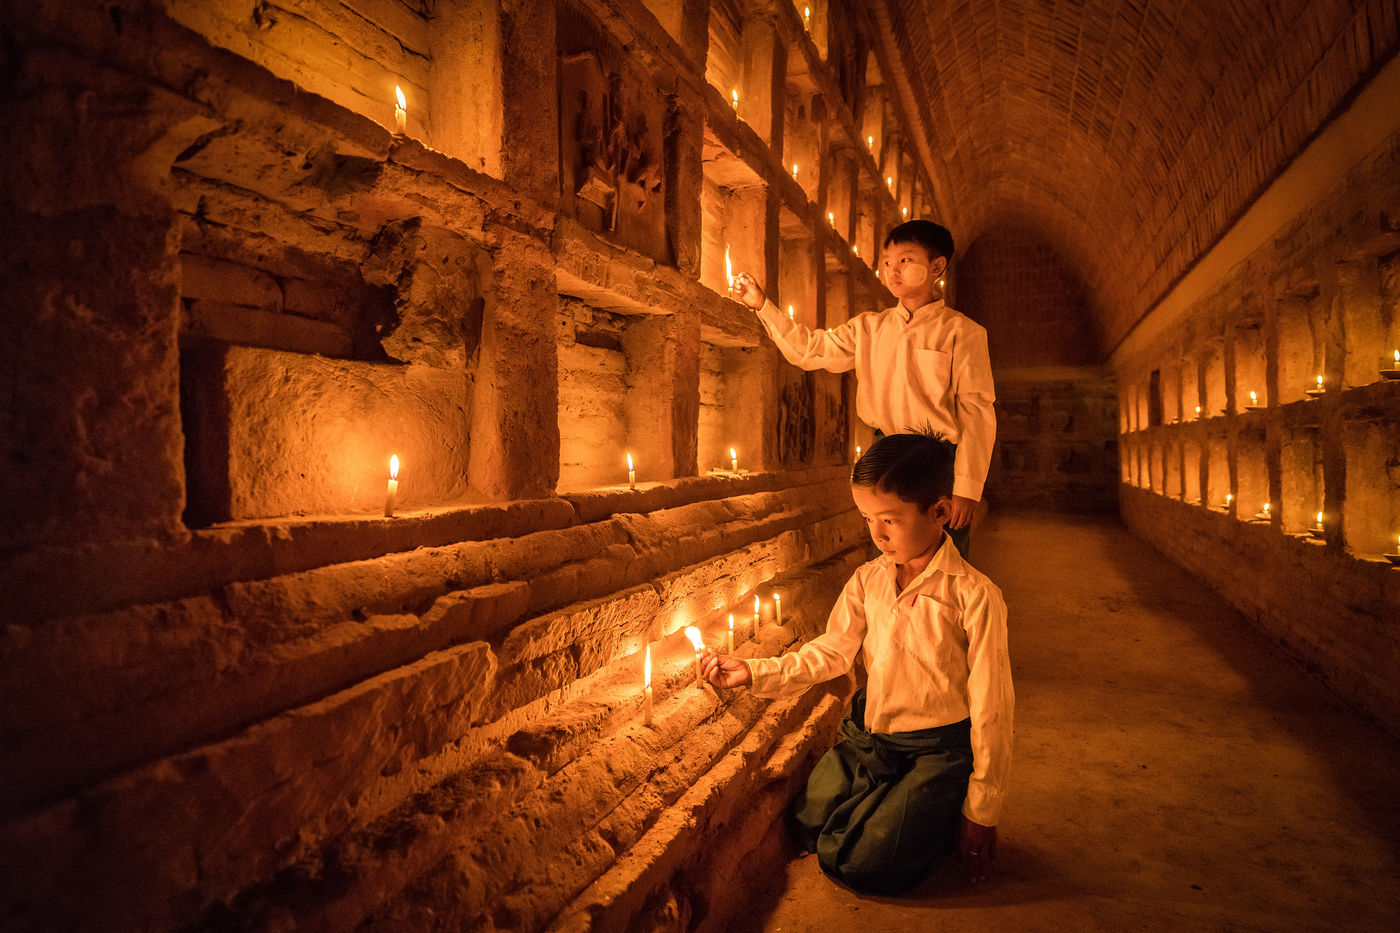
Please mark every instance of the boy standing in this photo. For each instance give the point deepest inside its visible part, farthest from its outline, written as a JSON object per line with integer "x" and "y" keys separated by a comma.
{"x": 924, "y": 753}
{"x": 919, "y": 365}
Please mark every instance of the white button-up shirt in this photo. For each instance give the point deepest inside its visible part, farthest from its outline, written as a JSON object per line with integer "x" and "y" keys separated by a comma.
{"x": 913, "y": 369}
{"x": 935, "y": 654}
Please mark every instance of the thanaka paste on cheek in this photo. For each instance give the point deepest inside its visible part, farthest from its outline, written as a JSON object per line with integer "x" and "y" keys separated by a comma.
{"x": 914, "y": 274}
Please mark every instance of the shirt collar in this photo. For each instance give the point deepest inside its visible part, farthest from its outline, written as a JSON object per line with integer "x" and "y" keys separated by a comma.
{"x": 905, "y": 315}
{"x": 946, "y": 559}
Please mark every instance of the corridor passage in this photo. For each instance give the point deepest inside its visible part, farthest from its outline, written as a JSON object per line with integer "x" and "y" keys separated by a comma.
{"x": 1173, "y": 771}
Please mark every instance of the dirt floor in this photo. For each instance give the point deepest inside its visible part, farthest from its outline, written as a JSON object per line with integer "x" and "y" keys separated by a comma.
{"x": 1174, "y": 770}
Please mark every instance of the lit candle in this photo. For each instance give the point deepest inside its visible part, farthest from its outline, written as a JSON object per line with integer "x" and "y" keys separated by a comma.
{"x": 1229, "y": 498}
{"x": 1319, "y": 521}
{"x": 791, "y": 312}
{"x": 733, "y": 460}
{"x": 889, "y": 181}
{"x": 400, "y": 111}
{"x": 794, "y": 171}
{"x": 728, "y": 268}
{"x": 870, "y": 141}
{"x": 806, "y": 16}
{"x": 1391, "y": 370}
{"x": 855, "y": 250}
{"x": 1319, "y": 383}
{"x": 646, "y": 694}
{"x": 1253, "y": 400}
{"x": 1265, "y": 512}
{"x": 904, "y": 211}
{"x": 631, "y": 473}
{"x": 1198, "y": 411}
{"x": 778, "y": 607}
{"x": 857, "y": 451}
{"x": 392, "y": 495}
{"x": 831, "y": 217}
{"x": 730, "y": 643}
{"x": 693, "y": 634}
{"x": 734, "y": 98}
{"x": 940, "y": 283}
{"x": 755, "y": 615}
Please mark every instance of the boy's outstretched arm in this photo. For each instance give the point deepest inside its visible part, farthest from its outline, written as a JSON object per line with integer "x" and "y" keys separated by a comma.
{"x": 809, "y": 348}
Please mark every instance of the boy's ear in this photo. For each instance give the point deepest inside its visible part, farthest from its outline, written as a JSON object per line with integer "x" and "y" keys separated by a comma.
{"x": 937, "y": 266}
{"x": 941, "y": 510}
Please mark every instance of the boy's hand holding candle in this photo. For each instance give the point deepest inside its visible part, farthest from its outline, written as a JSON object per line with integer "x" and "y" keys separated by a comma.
{"x": 745, "y": 289}
{"x": 724, "y": 671}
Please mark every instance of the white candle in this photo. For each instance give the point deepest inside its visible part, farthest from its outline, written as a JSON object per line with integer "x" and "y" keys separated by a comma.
{"x": 755, "y": 615}
{"x": 1319, "y": 383}
{"x": 400, "y": 111}
{"x": 794, "y": 171}
{"x": 728, "y": 268}
{"x": 778, "y": 607}
{"x": 1229, "y": 497}
{"x": 1198, "y": 411}
{"x": 1319, "y": 521}
{"x": 391, "y": 496}
{"x": 730, "y": 643}
{"x": 806, "y": 15}
{"x": 1253, "y": 399}
{"x": 1266, "y": 508}
{"x": 631, "y": 473}
{"x": 791, "y": 313}
{"x": 646, "y": 695}
{"x": 733, "y": 461}
{"x": 693, "y": 634}
{"x": 734, "y": 98}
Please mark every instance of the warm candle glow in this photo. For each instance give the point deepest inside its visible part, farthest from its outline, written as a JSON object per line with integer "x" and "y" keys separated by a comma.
{"x": 831, "y": 217}
{"x": 646, "y": 668}
{"x": 1397, "y": 357}
{"x": 889, "y": 181}
{"x": 1319, "y": 383}
{"x": 1198, "y": 411}
{"x": 857, "y": 451}
{"x": 806, "y": 14}
{"x": 1319, "y": 519}
{"x": 400, "y": 111}
{"x": 391, "y": 494}
{"x": 734, "y": 98}
{"x": 728, "y": 268}
{"x": 794, "y": 171}
{"x": 631, "y": 473}
{"x": 646, "y": 688}
{"x": 730, "y": 642}
{"x": 778, "y": 607}
{"x": 693, "y": 634}
{"x": 905, "y": 211}
{"x": 1266, "y": 508}
{"x": 733, "y": 460}
{"x": 1229, "y": 497}
{"x": 1253, "y": 399}
{"x": 791, "y": 313}
{"x": 870, "y": 141}
{"x": 629, "y": 463}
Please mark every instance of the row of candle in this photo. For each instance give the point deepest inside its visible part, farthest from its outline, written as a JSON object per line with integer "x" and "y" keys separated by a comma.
{"x": 697, "y": 642}
{"x": 1317, "y": 530}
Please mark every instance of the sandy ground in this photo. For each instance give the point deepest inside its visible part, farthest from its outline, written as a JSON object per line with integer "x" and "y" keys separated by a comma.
{"x": 1174, "y": 771}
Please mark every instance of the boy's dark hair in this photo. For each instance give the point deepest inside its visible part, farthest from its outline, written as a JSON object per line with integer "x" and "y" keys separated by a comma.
{"x": 935, "y": 238}
{"x": 916, "y": 468}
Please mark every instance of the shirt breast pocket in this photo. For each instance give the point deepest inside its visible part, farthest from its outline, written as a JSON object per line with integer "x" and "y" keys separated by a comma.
{"x": 931, "y": 371}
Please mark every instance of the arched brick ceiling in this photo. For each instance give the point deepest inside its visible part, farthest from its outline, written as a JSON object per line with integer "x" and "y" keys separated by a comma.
{"x": 1131, "y": 133}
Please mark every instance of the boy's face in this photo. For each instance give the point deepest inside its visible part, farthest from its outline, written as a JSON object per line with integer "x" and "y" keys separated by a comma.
{"x": 910, "y": 272}
{"x": 901, "y": 529}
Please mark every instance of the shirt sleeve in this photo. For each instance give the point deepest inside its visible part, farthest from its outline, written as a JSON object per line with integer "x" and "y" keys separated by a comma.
{"x": 833, "y": 350}
{"x": 829, "y": 655}
{"x": 977, "y": 418}
{"x": 991, "y": 703}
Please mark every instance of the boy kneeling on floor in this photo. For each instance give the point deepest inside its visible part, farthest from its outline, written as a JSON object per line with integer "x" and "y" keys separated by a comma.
{"x": 924, "y": 753}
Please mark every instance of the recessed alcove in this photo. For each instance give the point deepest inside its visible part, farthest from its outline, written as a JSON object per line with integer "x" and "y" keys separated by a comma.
{"x": 1171, "y": 394}
{"x": 1156, "y": 467}
{"x": 1358, "y": 303}
{"x": 733, "y": 206}
{"x": 1371, "y": 510}
{"x": 1125, "y": 463}
{"x": 1213, "y": 379}
{"x": 803, "y": 113}
{"x": 1302, "y": 342}
{"x": 864, "y": 240}
{"x": 1250, "y": 366}
{"x": 814, "y": 15}
{"x": 840, "y": 183}
{"x": 1191, "y": 471}
{"x": 1219, "y": 485}
{"x": 724, "y": 55}
{"x": 597, "y": 386}
{"x": 797, "y": 271}
{"x": 1142, "y": 414}
{"x": 1125, "y": 408}
{"x": 837, "y": 292}
{"x": 732, "y": 386}
{"x": 1171, "y": 470}
{"x": 1302, "y": 479}
{"x": 1190, "y": 391}
{"x": 1251, "y": 475}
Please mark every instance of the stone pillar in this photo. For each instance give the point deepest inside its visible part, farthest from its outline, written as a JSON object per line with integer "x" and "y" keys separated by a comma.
{"x": 764, "y": 63}
{"x": 515, "y": 397}
{"x": 684, "y": 181}
{"x": 663, "y": 397}
{"x": 466, "y": 95}
{"x": 530, "y": 118}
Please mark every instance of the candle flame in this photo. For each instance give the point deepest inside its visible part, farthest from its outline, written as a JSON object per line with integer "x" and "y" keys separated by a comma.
{"x": 1253, "y": 399}
{"x": 693, "y": 634}
{"x": 791, "y": 312}
{"x": 646, "y": 667}
{"x": 398, "y": 93}
{"x": 1266, "y": 507}
{"x": 734, "y": 96}
{"x": 394, "y": 467}
{"x": 732, "y": 454}
{"x": 731, "y": 621}
{"x": 831, "y": 216}
{"x": 755, "y": 605}
{"x": 905, "y": 210}
{"x": 870, "y": 141}
{"x": 1397, "y": 356}
{"x": 889, "y": 180}
{"x": 794, "y": 170}
{"x": 1319, "y": 382}
{"x": 629, "y": 463}
{"x": 806, "y": 12}
{"x": 857, "y": 451}
{"x": 1319, "y": 518}
{"x": 728, "y": 267}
